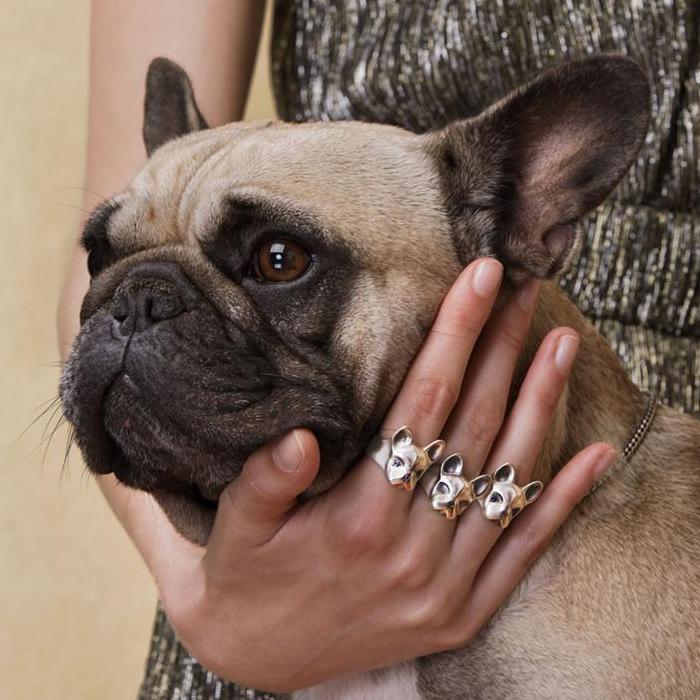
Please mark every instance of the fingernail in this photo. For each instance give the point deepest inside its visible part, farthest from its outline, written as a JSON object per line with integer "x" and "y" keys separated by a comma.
{"x": 288, "y": 453}
{"x": 604, "y": 462}
{"x": 567, "y": 347}
{"x": 527, "y": 294}
{"x": 487, "y": 277}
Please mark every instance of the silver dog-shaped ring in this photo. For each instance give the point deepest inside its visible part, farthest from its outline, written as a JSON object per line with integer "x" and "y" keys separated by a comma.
{"x": 506, "y": 499}
{"x": 402, "y": 461}
{"x": 452, "y": 492}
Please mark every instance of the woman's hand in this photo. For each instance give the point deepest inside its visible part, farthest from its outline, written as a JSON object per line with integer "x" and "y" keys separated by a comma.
{"x": 366, "y": 575}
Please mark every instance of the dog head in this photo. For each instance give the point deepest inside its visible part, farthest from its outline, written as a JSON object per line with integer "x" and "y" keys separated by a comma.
{"x": 408, "y": 461}
{"x": 257, "y": 278}
{"x": 452, "y": 492}
{"x": 506, "y": 499}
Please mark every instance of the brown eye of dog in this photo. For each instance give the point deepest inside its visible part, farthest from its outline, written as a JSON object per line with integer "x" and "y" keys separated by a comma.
{"x": 281, "y": 261}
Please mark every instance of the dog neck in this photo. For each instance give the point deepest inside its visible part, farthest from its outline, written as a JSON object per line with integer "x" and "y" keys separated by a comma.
{"x": 600, "y": 403}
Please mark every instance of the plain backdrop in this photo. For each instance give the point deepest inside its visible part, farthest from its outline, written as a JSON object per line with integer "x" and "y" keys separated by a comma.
{"x": 76, "y": 603}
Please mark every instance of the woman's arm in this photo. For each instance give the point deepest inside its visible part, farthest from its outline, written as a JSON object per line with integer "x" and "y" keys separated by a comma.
{"x": 216, "y": 41}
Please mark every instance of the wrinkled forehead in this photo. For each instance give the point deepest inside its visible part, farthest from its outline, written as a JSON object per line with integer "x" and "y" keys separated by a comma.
{"x": 410, "y": 452}
{"x": 507, "y": 490}
{"x": 351, "y": 176}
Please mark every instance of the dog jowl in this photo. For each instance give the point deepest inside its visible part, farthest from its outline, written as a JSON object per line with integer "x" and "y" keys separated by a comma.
{"x": 256, "y": 278}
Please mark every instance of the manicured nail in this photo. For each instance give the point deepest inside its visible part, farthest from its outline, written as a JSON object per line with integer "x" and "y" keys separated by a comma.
{"x": 527, "y": 294}
{"x": 288, "y": 453}
{"x": 487, "y": 277}
{"x": 567, "y": 347}
{"x": 604, "y": 462}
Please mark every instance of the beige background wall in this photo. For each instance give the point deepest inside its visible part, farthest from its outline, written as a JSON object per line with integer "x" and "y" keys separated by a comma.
{"x": 76, "y": 604}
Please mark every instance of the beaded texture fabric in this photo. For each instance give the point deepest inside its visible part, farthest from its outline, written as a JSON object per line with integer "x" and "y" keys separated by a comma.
{"x": 420, "y": 65}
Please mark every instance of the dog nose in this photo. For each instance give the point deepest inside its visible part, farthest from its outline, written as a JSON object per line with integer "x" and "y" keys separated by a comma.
{"x": 149, "y": 294}
{"x": 142, "y": 307}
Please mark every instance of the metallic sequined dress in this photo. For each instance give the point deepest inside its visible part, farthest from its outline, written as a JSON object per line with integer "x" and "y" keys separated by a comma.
{"x": 421, "y": 64}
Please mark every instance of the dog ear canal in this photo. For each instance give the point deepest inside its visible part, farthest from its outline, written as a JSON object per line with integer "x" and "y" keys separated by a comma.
{"x": 517, "y": 177}
{"x": 170, "y": 109}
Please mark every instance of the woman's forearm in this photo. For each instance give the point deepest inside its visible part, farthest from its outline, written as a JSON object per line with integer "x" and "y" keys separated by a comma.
{"x": 216, "y": 40}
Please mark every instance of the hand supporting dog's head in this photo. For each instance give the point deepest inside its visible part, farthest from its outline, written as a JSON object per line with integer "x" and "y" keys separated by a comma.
{"x": 256, "y": 278}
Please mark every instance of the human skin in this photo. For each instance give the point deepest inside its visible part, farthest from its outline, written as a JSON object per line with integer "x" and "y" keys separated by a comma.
{"x": 284, "y": 596}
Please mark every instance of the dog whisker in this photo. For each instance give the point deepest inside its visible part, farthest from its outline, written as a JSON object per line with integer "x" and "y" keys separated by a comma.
{"x": 60, "y": 421}
{"x": 43, "y": 409}
{"x": 74, "y": 188}
{"x": 70, "y": 441}
{"x": 87, "y": 212}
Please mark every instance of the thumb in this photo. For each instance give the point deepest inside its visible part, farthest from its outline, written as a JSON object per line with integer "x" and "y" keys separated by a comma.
{"x": 255, "y": 506}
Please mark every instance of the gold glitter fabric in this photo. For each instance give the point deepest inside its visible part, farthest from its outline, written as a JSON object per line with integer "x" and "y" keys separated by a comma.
{"x": 421, "y": 64}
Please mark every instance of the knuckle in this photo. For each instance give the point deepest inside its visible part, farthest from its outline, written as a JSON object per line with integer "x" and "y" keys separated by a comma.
{"x": 452, "y": 624}
{"x": 433, "y": 397}
{"x": 510, "y": 336}
{"x": 437, "y": 610}
{"x": 454, "y": 634}
{"x": 448, "y": 634}
{"x": 362, "y": 535}
{"x": 533, "y": 542}
{"x": 411, "y": 570}
{"x": 547, "y": 394}
{"x": 423, "y": 611}
{"x": 256, "y": 485}
{"x": 483, "y": 420}
{"x": 468, "y": 318}
{"x": 547, "y": 398}
{"x": 453, "y": 601}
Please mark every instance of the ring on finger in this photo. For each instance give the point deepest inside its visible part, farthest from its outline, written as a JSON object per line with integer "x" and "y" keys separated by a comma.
{"x": 451, "y": 493}
{"x": 402, "y": 460}
{"x": 506, "y": 499}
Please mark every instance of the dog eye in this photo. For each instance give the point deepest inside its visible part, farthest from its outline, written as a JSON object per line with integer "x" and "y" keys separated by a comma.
{"x": 99, "y": 255}
{"x": 495, "y": 497}
{"x": 280, "y": 261}
{"x": 95, "y": 241}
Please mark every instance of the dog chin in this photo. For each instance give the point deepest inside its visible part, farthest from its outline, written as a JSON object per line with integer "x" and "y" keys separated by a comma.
{"x": 191, "y": 515}
{"x": 191, "y": 506}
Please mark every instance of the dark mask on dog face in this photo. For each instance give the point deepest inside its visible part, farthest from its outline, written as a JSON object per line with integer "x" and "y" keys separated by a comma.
{"x": 253, "y": 279}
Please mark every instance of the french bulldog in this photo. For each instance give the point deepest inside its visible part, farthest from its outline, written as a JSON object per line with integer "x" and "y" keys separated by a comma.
{"x": 254, "y": 278}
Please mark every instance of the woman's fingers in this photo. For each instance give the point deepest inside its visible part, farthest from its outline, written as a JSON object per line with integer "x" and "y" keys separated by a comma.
{"x": 433, "y": 383}
{"x": 254, "y": 506}
{"x": 531, "y": 533}
{"x": 531, "y": 418}
{"x": 521, "y": 438}
{"x": 478, "y": 415}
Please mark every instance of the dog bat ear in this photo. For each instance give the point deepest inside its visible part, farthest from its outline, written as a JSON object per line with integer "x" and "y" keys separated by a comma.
{"x": 435, "y": 449}
{"x": 532, "y": 491}
{"x": 518, "y": 176}
{"x": 401, "y": 438}
{"x": 504, "y": 473}
{"x": 452, "y": 466}
{"x": 170, "y": 109}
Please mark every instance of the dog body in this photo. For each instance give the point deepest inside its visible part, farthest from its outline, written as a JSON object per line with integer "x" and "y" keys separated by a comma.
{"x": 253, "y": 279}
